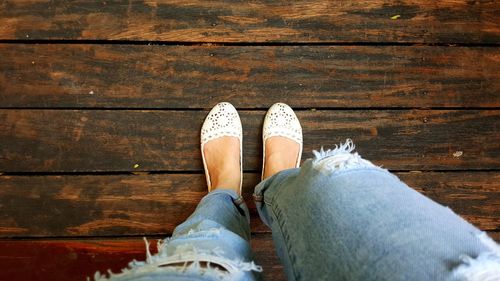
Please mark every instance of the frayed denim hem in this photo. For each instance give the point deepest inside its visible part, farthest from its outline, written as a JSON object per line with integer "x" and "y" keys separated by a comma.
{"x": 485, "y": 267}
{"x": 340, "y": 158}
{"x": 186, "y": 260}
{"x": 187, "y": 256}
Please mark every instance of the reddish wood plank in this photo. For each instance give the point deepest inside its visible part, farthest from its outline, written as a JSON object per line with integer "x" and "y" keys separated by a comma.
{"x": 108, "y": 205}
{"x": 447, "y": 21}
{"x": 79, "y": 259}
{"x": 59, "y": 259}
{"x": 128, "y": 76}
{"x": 102, "y": 140}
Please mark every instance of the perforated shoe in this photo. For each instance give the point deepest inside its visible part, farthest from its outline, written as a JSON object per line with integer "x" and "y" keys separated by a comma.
{"x": 222, "y": 121}
{"x": 281, "y": 121}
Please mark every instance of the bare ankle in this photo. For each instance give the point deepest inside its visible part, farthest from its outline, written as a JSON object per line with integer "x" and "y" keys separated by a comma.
{"x": 231, "y": 182}
{"x": 275, "y": 163}
{"x": 281, "y": 154}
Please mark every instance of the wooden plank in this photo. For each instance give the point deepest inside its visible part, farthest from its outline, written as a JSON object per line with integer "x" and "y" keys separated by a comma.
{"x": 60, "y": 259}
{"x": 109, "y": 205}
{"x": 103, "y": 205}
{"x": 57, "y": 259}
{"x": 495, "y": 236}
{"x": 128, "y": 76}
{"x": 406, "y": 21}
{"x": 118, "y": 140}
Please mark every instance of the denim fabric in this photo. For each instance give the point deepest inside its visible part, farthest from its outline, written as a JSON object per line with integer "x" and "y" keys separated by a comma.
{"x": 362, "y": 223}
{"x": 217, "y": 233}
{"x": 338, "y": 217}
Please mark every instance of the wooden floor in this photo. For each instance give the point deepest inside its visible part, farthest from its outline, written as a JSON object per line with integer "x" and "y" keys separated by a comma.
{"x": 101, "y": 103}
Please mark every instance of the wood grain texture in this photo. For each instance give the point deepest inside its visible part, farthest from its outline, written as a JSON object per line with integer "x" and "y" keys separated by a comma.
{"x": 447, "y": 21}
{"x": 128, "y": 76}
{"x": 112, "y": 205}
{"x": 117, "y": 140}
{"x": 45, "y": 260}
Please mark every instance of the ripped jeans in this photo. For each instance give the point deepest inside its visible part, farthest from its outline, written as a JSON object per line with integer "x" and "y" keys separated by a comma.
{"x": 338, "y": 217}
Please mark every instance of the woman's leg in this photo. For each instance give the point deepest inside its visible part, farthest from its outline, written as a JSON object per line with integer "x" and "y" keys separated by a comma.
{"x": 212, "y": 244}
{"x": 339, "y": 217}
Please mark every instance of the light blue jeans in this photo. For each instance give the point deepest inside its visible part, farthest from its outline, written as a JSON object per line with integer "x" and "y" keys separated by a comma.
{"x": 338, "y": 217}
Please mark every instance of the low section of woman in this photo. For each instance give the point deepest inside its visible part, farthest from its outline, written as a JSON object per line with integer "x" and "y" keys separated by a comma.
{"x": 337, "y": 217}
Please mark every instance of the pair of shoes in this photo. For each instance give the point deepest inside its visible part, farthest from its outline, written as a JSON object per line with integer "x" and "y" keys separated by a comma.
{"x": 223, "y": 121}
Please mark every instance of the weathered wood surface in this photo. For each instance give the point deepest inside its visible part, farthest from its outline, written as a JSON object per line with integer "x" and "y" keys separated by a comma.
{"x": 129, "y": 76}
{"x": 49, "y": 260}
{"x": 57, "y": 77}
{"x": 109, "y": 205}
{"x": 445, "y": 21}
{"x": 117, "y": 140}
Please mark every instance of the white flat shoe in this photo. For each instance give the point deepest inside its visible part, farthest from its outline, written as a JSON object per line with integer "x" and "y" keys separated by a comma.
{"x": 281, "y": 121}
{"x": 222, "y": 121}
